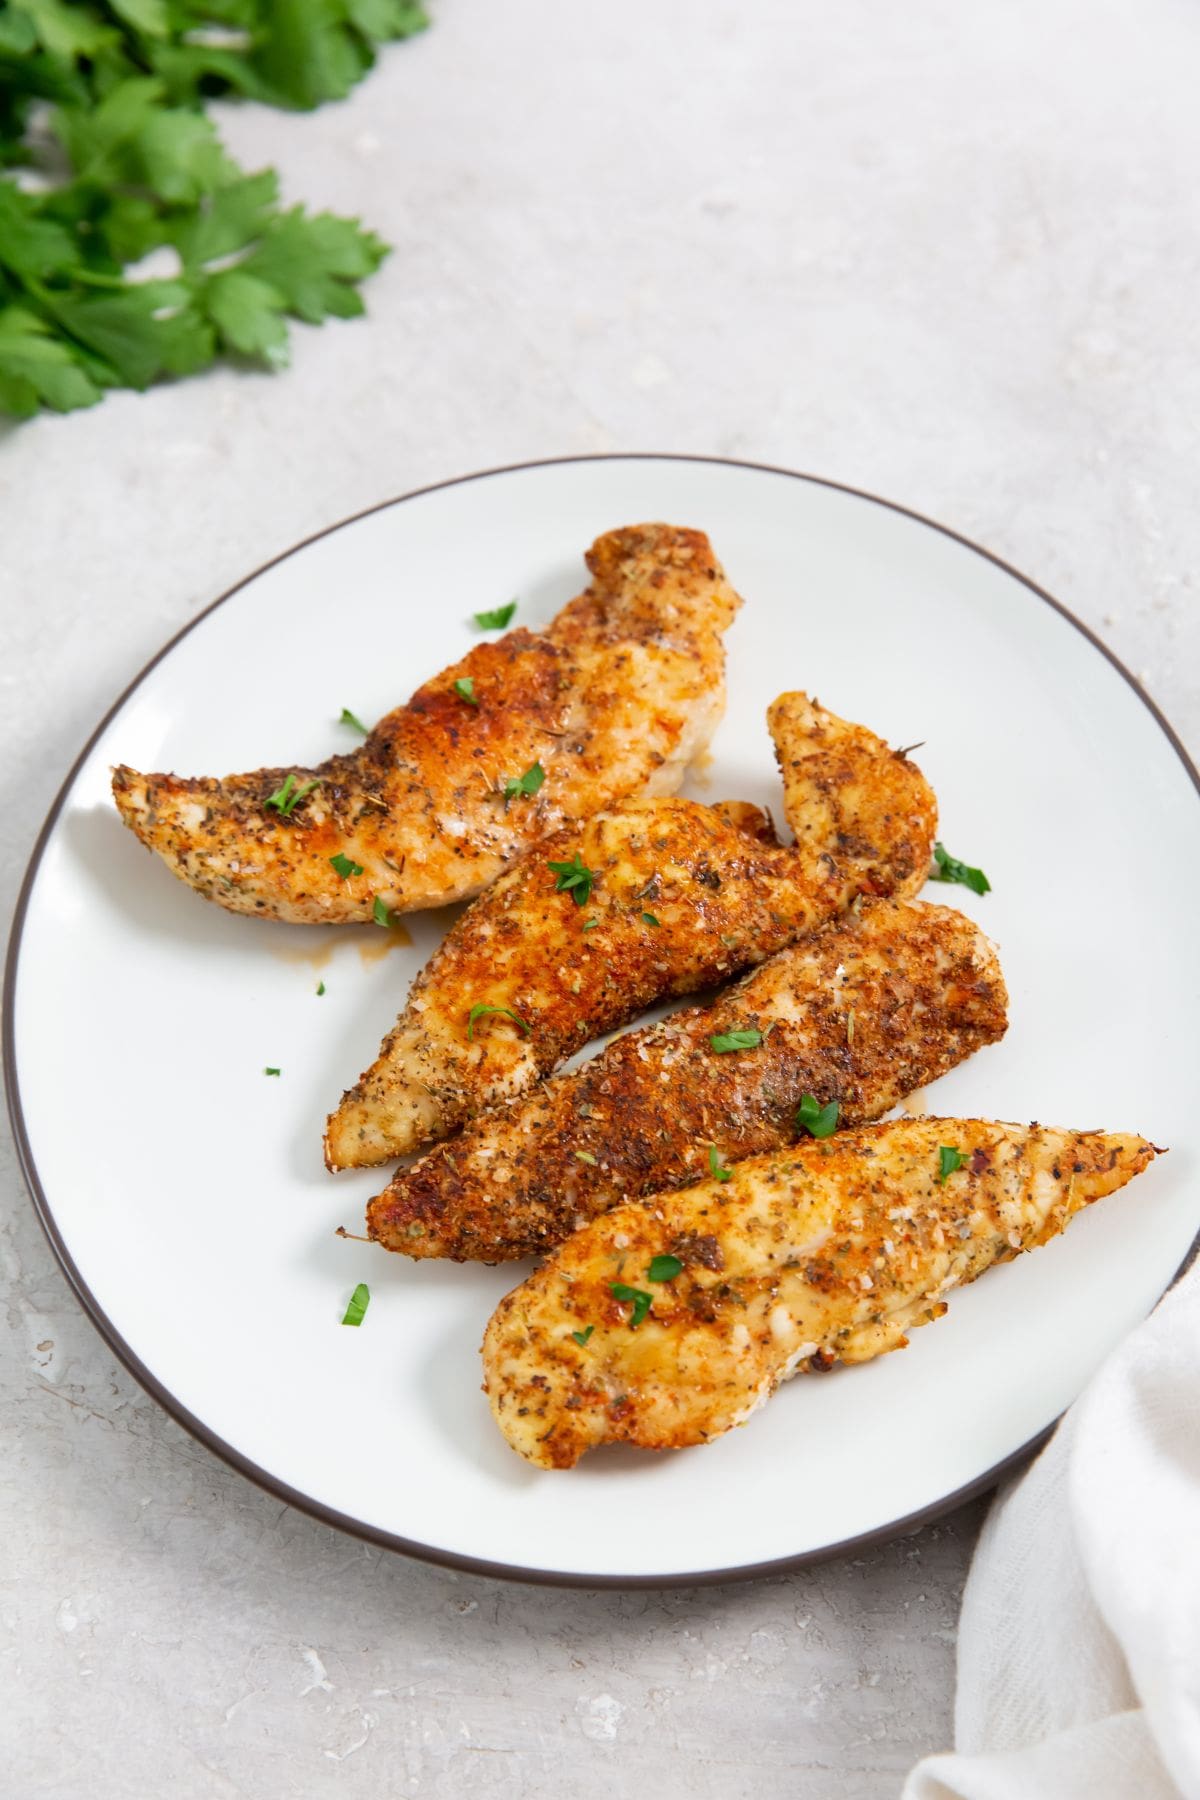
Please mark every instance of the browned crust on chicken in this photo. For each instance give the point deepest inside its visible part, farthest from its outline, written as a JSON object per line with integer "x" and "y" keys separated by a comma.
{"x": 863, "y": 1012}
{"x": 828, "y": 1251}
{"x": 615, "y": 698}
{"x": 683, "y": 895}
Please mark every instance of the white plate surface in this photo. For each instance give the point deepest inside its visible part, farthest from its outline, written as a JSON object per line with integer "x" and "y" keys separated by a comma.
{"x": 186, "y": 1192}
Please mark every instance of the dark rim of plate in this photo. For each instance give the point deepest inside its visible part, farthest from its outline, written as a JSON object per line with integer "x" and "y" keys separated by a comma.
{"x": 263, "y": 1478}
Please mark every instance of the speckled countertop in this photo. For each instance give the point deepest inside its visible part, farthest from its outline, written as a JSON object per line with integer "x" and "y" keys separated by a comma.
{"x": 947, "y": 254}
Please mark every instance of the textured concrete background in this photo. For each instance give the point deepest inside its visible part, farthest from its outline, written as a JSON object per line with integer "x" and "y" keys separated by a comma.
{"x": 945, "y": 253}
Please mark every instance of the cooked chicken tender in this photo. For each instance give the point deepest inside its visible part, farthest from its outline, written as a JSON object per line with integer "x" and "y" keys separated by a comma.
{"x": 667, "y": 1323}
{"x": 862, "y": 1012}
{"x": 842, "y": 799}
{"x": 615, "y": 698}
{"x": 654, "y": 897}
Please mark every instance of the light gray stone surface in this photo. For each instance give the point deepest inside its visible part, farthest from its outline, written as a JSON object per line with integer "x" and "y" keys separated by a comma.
{"x": 945, "y": 253}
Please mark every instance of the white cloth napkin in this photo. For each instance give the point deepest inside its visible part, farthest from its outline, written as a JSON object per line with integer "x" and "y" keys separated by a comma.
{"x": 1079, "y": 1642}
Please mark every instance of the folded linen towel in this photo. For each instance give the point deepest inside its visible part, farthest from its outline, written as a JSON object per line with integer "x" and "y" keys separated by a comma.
{"x": 1079, "y": 1642}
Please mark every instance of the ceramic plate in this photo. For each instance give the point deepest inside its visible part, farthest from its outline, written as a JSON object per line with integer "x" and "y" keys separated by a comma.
{"x": 185, "y": 1193}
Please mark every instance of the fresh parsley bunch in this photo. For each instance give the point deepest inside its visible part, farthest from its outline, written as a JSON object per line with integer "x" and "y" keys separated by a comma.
{"x": 109, "y": 156}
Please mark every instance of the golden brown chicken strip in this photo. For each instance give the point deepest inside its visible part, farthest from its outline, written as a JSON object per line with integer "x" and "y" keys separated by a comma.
{"x": 654, "y": 897}
{"x": 666, "y": 1324}
{"x": 842, "y": 799}
{"x": 614, "y": 698}
{"x": 862, "y": 1012}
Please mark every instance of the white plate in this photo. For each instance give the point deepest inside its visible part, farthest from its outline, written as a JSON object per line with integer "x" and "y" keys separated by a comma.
{"x": 185, "y": 1194}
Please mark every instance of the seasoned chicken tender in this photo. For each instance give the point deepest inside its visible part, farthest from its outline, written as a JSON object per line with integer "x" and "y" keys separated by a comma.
{"x": 862, "y": 1012}
{"x": 666, "y": 1324}
{"x": 654, "y": 897}
{"x": 615, "y": 698}
{"x": 842, "y": 800}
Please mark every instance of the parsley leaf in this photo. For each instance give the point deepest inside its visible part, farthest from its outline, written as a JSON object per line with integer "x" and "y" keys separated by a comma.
{"x": 581, "y": 1337}
{"x": 287, "y": 798}
{"x": 819, "y": 1121}
{"x": 724, "y": 1041}
{"x": 380, "y": 913}
{"x": 497, "y": 619}
{"x": 664, "y": 1268}
{"x": 479, "y": 1011}
{"x": 650, "y": 919}
{"x": 360, "y": 1299}
{"x": 949, "y": 1159}
{"x": 586, "y": 1156}
{"x": 528, "y": 783}
{"x": 320, "y": 989}
{"x": 638, "y": 1298}
{"x": 590, "y": 924}
{"x": 345, "y": 865}
{"x": 716, "y": 1168}
{"x": 464, "y": 687}
{"x": 575, "y": 878}
{"x": 313, "y": 260}
{"x": 351, "y": 719}
{"x": 138, "y": 166}
{"x": 38, "y": 369}
{"x": 271, "y": 1071}
{"x": 948, "y": 868}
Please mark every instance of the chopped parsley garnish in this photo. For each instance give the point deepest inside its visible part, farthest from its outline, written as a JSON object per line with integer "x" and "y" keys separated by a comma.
{"x": 650, "y": 919}
{"x": 716, "y": 1168}
{"x": 574, "y": 878}
{"x": 464, "y": 687}
{"x": 581, "y": 1337}
{"x": 380, "y": 913}
{"x": 528, "y": 783}
{"x": 638, "y": 1298}
{"x": 345, "y": 865}
{"x": 590, "y": 924}
{"x": 948, "y": 868}
{"x": 664, "y": 1268}
{"x": 497, "y": 619}
{"x": 586, "y": 1156}
{"x": 949, "y": 1159}
{"x": 360, "y": 1299}
{"x": 320, "y": 989}
{"x": 724, "y": 1041}
{"x": 353, "y": 720}
{"x": 271, "y": 1071}
{"x": 479, "y": 1011}
{"x": 819, "y": 1121}
{"x": 287, "y": 798}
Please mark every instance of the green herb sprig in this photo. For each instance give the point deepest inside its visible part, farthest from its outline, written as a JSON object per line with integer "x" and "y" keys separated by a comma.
{"x": 945, "y": 867}
{"x": 949, "y": 1160}
{"x": 497, "y": 618}
{"x": 528, "y": 783}
{"x": 127, "y": 163}
{"x": 356, "y": 1311}
{"x": 574, "y": 878}
{"x": 638, "y": 1298}
{"x": 725, "y": 1041}
{"x": 287, "y": 798}
{"x": 819, "y": 1121}
{"x": 480, "y": 1011}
